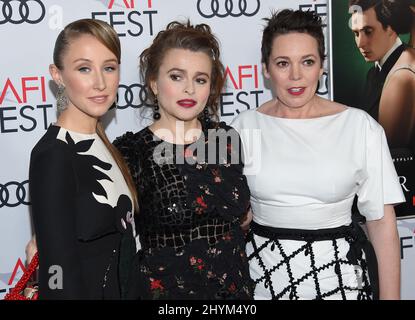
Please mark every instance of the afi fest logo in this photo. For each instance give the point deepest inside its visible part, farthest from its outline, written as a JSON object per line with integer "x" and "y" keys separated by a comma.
{"x": 10, "y": 279}
{"x": 22, "y": 11}
{"x": 128, "y": 17}
{"x": 321, "y": 10}
{"x": 14, "y": 193}
{"x": 406, "y": 229}
{"x": 243, "y": 84}
{"x": 23, "y": 104}
{"x": 228, "y": 8}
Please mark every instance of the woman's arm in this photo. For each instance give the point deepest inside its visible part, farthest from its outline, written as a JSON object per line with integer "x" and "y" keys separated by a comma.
{"x": 396, "y": 109}
{"x": 31, "y": 249}
{"x": 246, "y": 220}
{"x": 383, "y": 234}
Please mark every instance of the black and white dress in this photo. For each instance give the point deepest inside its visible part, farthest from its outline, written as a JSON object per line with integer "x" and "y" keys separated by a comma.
{"x": 82, "y": 212}
{"x": 303, "y": 175}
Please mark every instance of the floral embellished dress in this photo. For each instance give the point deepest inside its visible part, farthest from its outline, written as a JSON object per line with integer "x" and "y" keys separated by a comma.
{"x": 191, "y": 201}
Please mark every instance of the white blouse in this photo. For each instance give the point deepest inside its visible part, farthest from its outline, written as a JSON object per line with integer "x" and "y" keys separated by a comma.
{"x": 304, "y": 173}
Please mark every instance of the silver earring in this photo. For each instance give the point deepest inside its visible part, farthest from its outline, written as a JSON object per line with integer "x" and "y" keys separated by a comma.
{"x": 61, "y": 98}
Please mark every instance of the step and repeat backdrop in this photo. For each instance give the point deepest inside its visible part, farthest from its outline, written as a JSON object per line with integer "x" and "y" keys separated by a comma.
{"x": 28, "y": 29}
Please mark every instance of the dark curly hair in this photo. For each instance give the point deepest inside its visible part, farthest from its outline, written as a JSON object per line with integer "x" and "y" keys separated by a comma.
{"x": 393, "y": 13}
{"x": 196, "y": 38}
{"x": 288, "y": 21}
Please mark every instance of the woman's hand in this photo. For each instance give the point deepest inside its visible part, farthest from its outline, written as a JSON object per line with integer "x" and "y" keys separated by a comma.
{"x": 31, "y": 249}
{"x": 246, "y": 220}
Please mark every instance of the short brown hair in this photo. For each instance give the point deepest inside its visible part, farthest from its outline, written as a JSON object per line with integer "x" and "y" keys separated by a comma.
{"x": 288, "y": 21}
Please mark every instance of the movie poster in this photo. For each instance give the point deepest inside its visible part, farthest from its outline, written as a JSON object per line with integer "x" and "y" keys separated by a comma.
{"x": 353, "y": 84}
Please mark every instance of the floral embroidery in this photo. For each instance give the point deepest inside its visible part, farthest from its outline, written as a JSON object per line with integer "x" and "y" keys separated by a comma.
{"x": 156, "y": 284}
{"x": 206, "y": 190}
{"x": 232, "y": 288}
{"x": 223, "y": 278}
{"x": 213, "y": 252}
{"x": 200, "y": 205}
{"x": 201, "y": 166}
{"x": 235, "y": 193}
{"x": 227, "y": 237}
{"x": 157, "y": 289}
{"x": 216, "y": 176}
{"x": 188, "y": 153}
{"x": 197, "y": 264}
{"x": 180, "y": 282}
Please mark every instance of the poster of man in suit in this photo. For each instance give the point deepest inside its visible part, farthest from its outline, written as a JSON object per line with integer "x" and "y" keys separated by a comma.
{"x": 369, "y": 51}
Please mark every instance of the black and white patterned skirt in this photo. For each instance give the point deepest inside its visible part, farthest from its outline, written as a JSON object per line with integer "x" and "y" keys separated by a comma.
{"x": 337, "y": 263}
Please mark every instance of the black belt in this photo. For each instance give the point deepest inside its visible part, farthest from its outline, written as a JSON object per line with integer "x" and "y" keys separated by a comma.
{"x": 300, "y": 234}
{"x": 359, "y": 244}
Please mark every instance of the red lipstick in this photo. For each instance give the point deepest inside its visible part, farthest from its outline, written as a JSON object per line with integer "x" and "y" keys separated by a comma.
{"x": 296, "y": 91}
{"x": 186, "y": 103}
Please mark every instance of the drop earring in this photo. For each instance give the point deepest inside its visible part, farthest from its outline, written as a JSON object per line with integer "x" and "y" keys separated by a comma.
{"x": 156, "y": 108}
{"x": 61, "y": 98}
{"x": 206, "y": 116}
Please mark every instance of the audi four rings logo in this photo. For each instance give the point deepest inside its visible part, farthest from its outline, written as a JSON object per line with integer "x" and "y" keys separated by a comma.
{"x": 127, "y": 96}
{"x": 14, "y": 193}
{"x": 226, "y": 8}
{"x": 30, "y": 11}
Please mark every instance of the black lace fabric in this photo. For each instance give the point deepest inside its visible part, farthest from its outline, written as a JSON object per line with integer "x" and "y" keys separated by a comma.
{"x": 190, "y": 206}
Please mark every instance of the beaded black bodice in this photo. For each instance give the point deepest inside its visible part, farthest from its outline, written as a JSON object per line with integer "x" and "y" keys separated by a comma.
{"x": 186, "y": 192}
